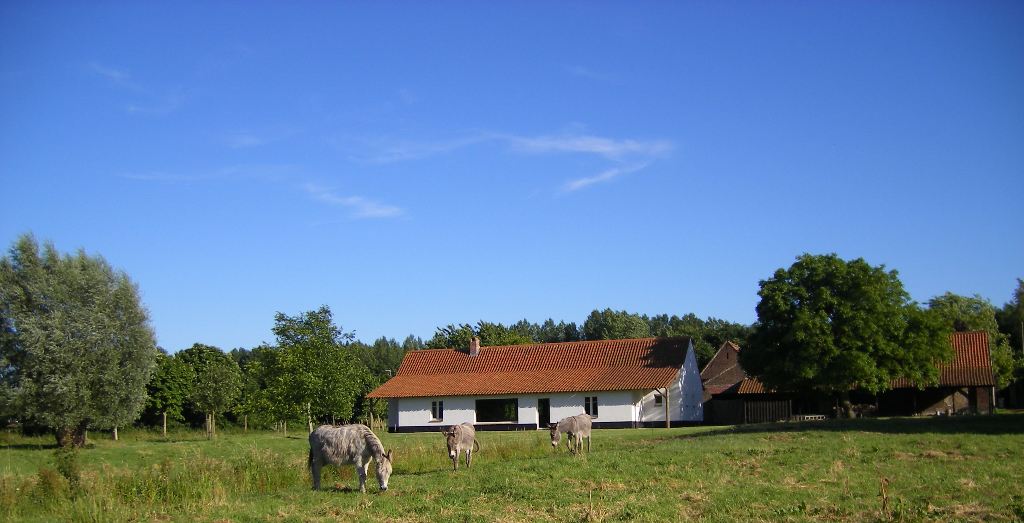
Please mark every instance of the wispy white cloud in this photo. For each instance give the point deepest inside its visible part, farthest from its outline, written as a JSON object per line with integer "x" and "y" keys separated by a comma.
{"x": 585, "y": 72}
{"x": 384, "y": 151}
{"x": 407, "y": 96}
{"x": 248, "y": 138}
{"x": 609, "y": 148}
{"x": 389, "y": 151}
{"x": 627, "y": 155}
{"x": 605, "y": 176}
{"x": 148, "y": 100}
{"x": 114, "y": 75}
{"x": 360, "y": 207}
{"x": 244, "y": 140}
{"x": 157, "y": 105}
{"x": 259, "y": 172}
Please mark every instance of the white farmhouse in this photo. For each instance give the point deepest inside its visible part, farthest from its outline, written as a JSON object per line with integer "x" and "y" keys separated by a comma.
{"x": 621, "y": 383}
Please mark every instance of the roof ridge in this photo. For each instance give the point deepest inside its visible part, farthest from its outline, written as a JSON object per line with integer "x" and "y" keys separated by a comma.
{"x": 545, "y": 343}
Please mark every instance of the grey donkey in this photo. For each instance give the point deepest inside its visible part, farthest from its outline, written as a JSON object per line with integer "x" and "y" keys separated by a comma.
{"x": 576, "y": 428}
{"x": 461, "y": 438}
{"x": 349, "y": 445}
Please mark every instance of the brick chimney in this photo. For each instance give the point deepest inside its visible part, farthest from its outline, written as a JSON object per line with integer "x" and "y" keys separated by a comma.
{"x": 474, "y": 346}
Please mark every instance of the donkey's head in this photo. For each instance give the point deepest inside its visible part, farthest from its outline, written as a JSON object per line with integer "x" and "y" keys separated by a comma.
{"x": 452, "y": 439}
{"x": 556, "y": 437}
{"x": 384, "y": 469}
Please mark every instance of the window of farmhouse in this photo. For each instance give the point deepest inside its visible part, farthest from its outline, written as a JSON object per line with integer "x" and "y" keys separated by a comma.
{"x": 437, "y": 410}
{"x": 590, "y": 406}
{"x": 497, "y": 410}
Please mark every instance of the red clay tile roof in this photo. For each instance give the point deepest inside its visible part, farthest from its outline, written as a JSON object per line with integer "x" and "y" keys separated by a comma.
{"x": 580, "y": 366}
{"x": 751, "y": 386}
{"x": 971, "y": 365}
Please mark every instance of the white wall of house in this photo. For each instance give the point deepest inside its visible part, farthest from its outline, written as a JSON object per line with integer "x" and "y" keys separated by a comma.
{"x": 651, "y": 410}
{"x": 613, "y": 406}
{"x": 685, "y": 395}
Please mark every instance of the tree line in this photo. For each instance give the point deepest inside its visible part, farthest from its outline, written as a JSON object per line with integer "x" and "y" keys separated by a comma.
{"x": 77, "y": 351}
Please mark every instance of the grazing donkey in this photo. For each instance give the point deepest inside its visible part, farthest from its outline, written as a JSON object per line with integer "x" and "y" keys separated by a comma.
{"x": 576, "y": 428}
{"x": 349, "y": 444}
{"x": 461, "y": 438}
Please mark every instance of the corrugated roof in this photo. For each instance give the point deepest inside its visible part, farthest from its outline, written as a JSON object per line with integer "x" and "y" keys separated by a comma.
{"x": 634, "y": 364}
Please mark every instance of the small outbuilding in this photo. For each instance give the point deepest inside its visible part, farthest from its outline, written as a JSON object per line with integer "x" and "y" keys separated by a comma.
{"x": 732, "y": 398}
{"x": 967, "y": 384}
{"x": 620, "y": 383}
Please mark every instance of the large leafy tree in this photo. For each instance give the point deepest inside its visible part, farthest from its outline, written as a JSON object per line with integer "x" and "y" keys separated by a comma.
{"x": 382, "y": 358}
{"x": 169, "y": 388}
{"x": 75, "y": 339}
{"x": 974, "y": 313}
{"x": 551, "y": 332}
{"x": 216, "y": 389}
{"x": 1011, "y": 319}
{"x": 264, "y": 386}
{"x": 490, "y": 334}
{"x": 216, "y": 385}
{"x": 412, "y": 342}
{"x": 833, "y": 325}
{"x": 314, "y": 371}
{"x": 614, "y": 325}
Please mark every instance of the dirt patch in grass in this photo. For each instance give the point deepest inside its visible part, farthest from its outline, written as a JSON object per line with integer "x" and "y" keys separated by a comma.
{"x": 938, "y": 454}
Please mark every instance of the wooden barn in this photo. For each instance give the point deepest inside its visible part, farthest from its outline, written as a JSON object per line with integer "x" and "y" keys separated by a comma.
{"x": 732, "y": 398}
{"x": 966, "y": 384}
{"x": 621, "y": 383}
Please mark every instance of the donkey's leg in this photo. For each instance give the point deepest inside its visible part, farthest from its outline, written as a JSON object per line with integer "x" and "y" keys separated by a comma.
{"x": 361, "y": 470}
{"x": 314, "y": 470}
{"x": 469, "y": 457}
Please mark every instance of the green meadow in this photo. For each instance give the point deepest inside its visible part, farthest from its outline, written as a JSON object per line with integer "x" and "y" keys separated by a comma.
{"x": 920, "y": 469}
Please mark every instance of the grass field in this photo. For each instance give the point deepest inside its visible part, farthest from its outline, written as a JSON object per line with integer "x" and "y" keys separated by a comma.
{"x": 941, "y": 469}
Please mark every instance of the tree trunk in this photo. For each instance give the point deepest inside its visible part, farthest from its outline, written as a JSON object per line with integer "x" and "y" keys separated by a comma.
{"x": 71, "y": 436}
{"x": 309, "y": 416}
{"x": 64, "y": 437}
{"x": 285, "y": 425}
{"x": 245, "y": 423}
{"x": 209, "y": 427}
{"x": 213, "y": 423}
{"x": 115, "y": 432}
{"x": 165, "y": 424}
{"x": 846, "y": 408}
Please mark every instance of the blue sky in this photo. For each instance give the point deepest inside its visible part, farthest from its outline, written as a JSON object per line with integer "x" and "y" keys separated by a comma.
{"x": 416, "y": 165}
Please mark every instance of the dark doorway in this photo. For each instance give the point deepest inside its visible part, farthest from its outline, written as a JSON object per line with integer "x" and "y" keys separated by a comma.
{"x": 544, "y": 412}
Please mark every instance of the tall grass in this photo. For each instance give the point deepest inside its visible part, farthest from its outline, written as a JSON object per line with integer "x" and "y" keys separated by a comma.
{"x": 876, "y": 470}
{"x": 193, "y": 481}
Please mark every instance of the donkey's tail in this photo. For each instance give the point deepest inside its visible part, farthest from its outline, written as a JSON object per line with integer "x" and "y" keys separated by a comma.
{"x": 476, "y": 445}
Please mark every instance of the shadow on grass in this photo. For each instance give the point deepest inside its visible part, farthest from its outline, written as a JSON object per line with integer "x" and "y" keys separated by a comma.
{"x": 29, "y": 446}
{"x": 991, "y": 425}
